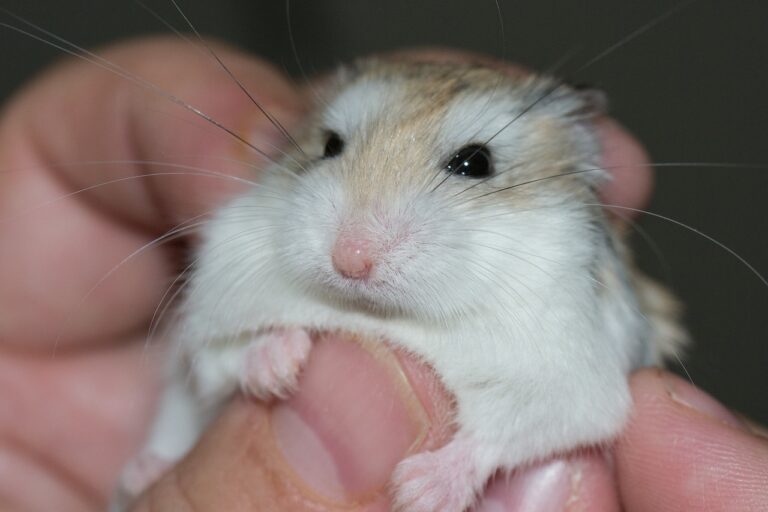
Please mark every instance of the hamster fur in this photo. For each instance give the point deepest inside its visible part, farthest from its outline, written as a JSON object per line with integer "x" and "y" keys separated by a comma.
{"x": 514, "y": 287}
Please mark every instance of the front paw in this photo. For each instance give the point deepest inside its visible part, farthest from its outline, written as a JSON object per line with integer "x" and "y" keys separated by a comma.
{"x": 272, "y": 362}
{"x": 445, "y": 480}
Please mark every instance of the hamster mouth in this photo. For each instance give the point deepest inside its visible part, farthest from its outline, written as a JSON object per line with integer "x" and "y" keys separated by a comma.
{"x": 338, "y": 336}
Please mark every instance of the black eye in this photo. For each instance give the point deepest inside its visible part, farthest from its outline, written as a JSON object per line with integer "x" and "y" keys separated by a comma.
{"x": 333, "y": 145}
{"x": 473, "y": 161}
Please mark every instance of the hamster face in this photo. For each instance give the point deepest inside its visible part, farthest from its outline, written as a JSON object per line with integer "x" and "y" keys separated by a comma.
{"x": 437, "y": 192}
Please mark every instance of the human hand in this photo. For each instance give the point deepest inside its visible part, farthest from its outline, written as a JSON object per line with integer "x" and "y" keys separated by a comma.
{"x": 73, "y": 417}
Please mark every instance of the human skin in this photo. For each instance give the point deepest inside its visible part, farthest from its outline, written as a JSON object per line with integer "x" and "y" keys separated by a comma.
{"x": 78, "y": 382}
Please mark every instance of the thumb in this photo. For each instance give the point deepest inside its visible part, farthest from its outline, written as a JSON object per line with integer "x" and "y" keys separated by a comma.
{"x": 359, "y": 410}
{"x": 685, "y": 451}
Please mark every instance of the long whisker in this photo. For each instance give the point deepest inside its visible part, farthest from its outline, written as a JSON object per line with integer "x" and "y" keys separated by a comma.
{"x": 683, "y": 225}
{"x": 529, "y": 182}
{"x": 502, "y": 31}
{"x": 170, "y": 235}
{"x": 55, "y": 200}
{"x": 648, "y": 239}
{"x": 725, "y": 165}
{"x": 636, "y": 33}
{"x": 237, "y": 81}
{"x": 292, "y": 40}
{"x": 486, "y": 180}
{"x": 159, "y": 313}
{"x": 557, "y": 85}
{"x": 83, "y": 54}
{"x": 166, "y": 24}
{"x": 246, "y": 163}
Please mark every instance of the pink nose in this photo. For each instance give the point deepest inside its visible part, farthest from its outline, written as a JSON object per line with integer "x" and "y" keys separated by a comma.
{"x": 352, "y": 257}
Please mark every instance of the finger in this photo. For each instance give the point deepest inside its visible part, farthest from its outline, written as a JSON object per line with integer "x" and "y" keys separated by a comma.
{"x": 683, "y": 450}
{"x": 333, "y": 446}
{"x": 68, "y": 423}
{"x": 580, "y": 481}
{"x": 631, "y": 179}
{"x": 80, "y": 113}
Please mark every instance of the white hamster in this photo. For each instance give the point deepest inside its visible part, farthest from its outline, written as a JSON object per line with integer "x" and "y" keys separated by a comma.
{"x": 449, "y": 209}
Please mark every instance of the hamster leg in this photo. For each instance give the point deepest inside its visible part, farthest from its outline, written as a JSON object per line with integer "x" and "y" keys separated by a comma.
{"x": 176, "y": 428}
{"x": 273, "y": 361}
{"x": 444, "y": 480}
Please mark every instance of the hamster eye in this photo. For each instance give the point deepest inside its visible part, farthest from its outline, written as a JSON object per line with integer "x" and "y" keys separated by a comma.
{"x": 333, "y": 145}
{"x": 473, "y": 161}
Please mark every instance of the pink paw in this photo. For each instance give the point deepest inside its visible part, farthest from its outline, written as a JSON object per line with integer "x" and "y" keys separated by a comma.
{"x": 273, "y": 361}
{"x": 441, "y": 481}
{"x": 141, "y": 472}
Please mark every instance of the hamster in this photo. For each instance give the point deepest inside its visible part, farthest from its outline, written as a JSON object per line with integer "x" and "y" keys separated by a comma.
{"x": 447, "y": 209}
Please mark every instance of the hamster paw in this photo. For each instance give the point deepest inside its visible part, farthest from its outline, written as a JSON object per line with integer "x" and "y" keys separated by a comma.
{"x": 440, "y": 481}
{"x": 273, "y": 361}
{"x": 137, "y": 476}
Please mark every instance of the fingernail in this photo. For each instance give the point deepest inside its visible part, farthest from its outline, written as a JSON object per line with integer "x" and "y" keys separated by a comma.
{"x": 353, "y": 419}
{"x": 579, "y": 482}
{"x": 543, "y": 488}
{"x": 688, "y": 395}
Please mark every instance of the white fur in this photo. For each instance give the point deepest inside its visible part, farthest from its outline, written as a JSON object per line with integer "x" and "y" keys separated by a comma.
{"x": 500, "y": 299}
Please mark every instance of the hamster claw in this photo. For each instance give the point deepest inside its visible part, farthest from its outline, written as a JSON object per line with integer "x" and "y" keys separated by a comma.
{"x": 138, "y": 475}
{"x": 273, "y": 361}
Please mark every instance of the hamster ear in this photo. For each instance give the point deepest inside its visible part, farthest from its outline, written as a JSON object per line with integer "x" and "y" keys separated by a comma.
{"x": 348, "y": 71}
{"x": 592, "y": 100}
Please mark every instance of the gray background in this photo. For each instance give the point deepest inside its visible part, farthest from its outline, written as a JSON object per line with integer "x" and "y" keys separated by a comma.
{"x": 692, "y": 88}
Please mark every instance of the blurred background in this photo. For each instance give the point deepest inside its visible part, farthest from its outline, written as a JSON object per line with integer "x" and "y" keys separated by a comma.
{"x": 692, "y": 88}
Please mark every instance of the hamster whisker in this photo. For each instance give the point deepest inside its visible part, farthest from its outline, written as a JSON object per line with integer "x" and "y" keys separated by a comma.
{"x": 676, "y": 222}
{"x": 486, "y": 180}
{"x": 527, "y": 182}
{"x": 726, "y": 165}
{"x": 249, "y": 278}
{"x": 448, "y": 175}
{"x": 123, "y": 179}
{"x": 168, "y": 25}
{"x": 690, "y": 228}
{"x": 165, "y": 303}
{"x": 637, "y": 33}
{"x": 243, "y": 279}
{"x": 295, "y": 51}
{"x": 92, "y": 58}
{"x": 514, "y": 240}
{"x": 681, "y": 224}
{"x": 612, "y": 48}
{"x": 250, "y": 164}
{"x": 508, "y": 274}
{"x": 486, "y": 273}
{"x": 173, "y": 234}
{"x": 650, "y": 242}
{"x": 180, "y": 230}
{"x": 502, "y": 32}
{"x": 552, "y": 278}
{"x": 272, "y": 119}
{"x": 547, "y": 93}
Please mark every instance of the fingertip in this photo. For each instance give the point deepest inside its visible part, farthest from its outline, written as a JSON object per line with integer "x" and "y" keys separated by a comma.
{"x": 628, "y": 165}
{"x": 679, "y": 453}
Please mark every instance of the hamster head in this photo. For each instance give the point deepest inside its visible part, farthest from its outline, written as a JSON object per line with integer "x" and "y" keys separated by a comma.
{"x": 437, "y": 191}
